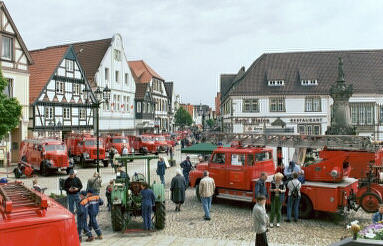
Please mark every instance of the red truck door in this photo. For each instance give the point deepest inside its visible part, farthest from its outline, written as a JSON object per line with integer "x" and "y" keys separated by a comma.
{"x": 217, "y": 169}
{"x": 236, "y": 171}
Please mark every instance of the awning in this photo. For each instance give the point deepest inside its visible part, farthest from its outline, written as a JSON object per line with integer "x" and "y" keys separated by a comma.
{"x": 201, "y": 148}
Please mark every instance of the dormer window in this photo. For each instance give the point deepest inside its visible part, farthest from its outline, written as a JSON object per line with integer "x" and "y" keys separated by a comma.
{"x": 309, "y": 82}
{"x": 276, "y": 83}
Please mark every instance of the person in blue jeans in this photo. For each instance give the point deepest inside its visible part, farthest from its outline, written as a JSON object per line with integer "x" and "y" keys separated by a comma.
{"x": 148, "y": 202}
{"x": 186, "y": 166}
{"x": 206, "y": 191}
{"x": 294, "y": 197}
{"x": 72, "y": 186}
{"x": 161, "y": 170}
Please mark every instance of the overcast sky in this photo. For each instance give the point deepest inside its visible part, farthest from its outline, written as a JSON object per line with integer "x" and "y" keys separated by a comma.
{"x": 193, "y": 42}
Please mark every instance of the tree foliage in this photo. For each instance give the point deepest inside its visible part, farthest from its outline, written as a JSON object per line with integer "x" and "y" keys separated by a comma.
{"x": 210, "y": 123}
{"x": 10, "y": 109}
{"x": 183, "y": 118}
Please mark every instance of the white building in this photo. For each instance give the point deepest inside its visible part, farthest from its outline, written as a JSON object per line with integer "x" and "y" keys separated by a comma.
{"x": 105, "y": 64}
{"x": 14, "y": 61}
{"x": 289, "y": 93}
{"x": 143, "y": 73}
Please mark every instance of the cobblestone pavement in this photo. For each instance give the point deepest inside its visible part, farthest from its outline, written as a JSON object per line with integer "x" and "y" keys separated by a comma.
{"x": 230, "y": 224}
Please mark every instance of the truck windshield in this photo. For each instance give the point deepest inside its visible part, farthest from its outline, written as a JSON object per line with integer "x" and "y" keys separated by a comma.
{"x": 262, "y": 156}
{"x": 92, "y": 143}
{"x": 119, "y": 140}
{"x": 54, "y": 147}
{"x": 160, "y": 138}
{"x": 146, "y": 139}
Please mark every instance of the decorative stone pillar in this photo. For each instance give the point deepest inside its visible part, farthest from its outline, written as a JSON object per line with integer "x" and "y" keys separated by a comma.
{"x": 340, "y": 113}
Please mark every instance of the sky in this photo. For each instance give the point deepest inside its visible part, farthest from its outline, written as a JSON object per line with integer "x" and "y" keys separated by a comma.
{"x": 193, "y": 42}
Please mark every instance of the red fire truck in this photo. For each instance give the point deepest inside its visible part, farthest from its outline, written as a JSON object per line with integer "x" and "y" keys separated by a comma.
{"x": 235, "y": 171}
{"x": 28, "y": 217}
{"x": 119, "y": 143}
{"x": 83, "y": 148}
{"x": 160, "y": 142}
{"x": 170, "y": 139}
{"x": 44, "y": 155}
{"x": 143, "y": 144}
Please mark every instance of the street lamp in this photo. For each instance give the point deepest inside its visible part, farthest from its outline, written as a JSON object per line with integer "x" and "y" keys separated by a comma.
{"x": 101, "y": 96}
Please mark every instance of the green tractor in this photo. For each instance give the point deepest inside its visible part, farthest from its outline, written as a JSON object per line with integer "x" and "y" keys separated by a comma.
{"x": 126, "y": 198}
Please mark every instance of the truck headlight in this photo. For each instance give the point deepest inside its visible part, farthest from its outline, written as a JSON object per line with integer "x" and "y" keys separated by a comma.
{"x": 86, "y": 155}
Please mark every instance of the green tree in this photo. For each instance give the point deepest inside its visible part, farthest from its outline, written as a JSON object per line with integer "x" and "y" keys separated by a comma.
{"x": 210, "y": 123}
{"x": 183, "y": 118}
{"x": 10, "y": 109}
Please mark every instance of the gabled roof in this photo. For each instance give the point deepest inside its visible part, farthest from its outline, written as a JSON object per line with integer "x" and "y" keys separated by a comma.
{"x": 363, "y": 69}
{"x": 18, "y": 36}
{"x": 44, "y": 64}
{"x": 90, "y": 55}
{"x": 142, "y": 72}
{"x": 169, "y": 89}
{"x": 141, "y": 89}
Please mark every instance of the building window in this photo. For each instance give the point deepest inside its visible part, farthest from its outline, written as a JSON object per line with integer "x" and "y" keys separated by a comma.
{"x": 69, "y": 65}
{"x": 276, "y": 83}
{"x": 308, "y": 82}
{"x": 381, "y": 114}
{"x": 76, "y": 89}
{"x": 126, "y": 78}
{"x": 117, "y": 74}
{"x": 144, "y": 108}
{"x": 309, "y": 129}
{"x": 48, "y": 113}
{"x": 60, "y": 87}
{"x": 138, "y": 107}
{"x": 114, "y": 102}
{"x": 8, "y": 90}
{"x": 106, "y": 74}
{"x": 117, "y": 55}
{"x": 313, "y": 104}
{"x": 362, "y": 113}
{"x": 277, "y": 104}
{"x": 7, "y": 48}
{"x": 250, "y": 105}
{"x": 82, "y": 114}
{"x": 66, "y": 113}
{"x": 118, "y": 103}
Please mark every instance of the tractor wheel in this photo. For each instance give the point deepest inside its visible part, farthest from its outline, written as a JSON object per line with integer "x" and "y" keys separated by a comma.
{"x": 43, "y": 169}
{"x": 160, "y": 216}
{"x": 117, "y": 220}
{"x": 197, "y": 192}
{"x": 370, "y": 201}
{"x": 305, "y": 207}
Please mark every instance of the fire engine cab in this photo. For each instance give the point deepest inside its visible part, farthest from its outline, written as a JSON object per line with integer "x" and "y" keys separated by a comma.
{"x": 83, "y": 148}
{"x": 119, "y": 143}
{"x": 236, "y": 169}
{"x": 144, "y": 144}
{"x": 44, "y": 155}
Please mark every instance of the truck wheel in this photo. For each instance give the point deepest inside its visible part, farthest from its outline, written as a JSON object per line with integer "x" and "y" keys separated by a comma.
{"x": 197, "y": 192}
{"x": 305, "y": 207}
{"x": 43, "y": 169}
{"x": 370, "y": 201}
{"x": 160, "y": 216}
{"x": 116, "y": 215}
{"x": 106, "y": 163}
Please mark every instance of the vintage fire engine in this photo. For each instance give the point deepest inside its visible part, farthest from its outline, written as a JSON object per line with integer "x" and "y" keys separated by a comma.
{"x": 328, "y": 186}
{"x": 28, "y": 217}
{"x": 160, "y": 142}
{"x": 119, "y": 143}
{"x": 143, "y": 144}
{"x": 83, "y": 148}
{"x": 170, "y": 139}
{"x": 44, "y": 155}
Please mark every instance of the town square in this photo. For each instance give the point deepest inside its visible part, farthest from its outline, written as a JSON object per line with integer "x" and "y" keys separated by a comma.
{"x": 191, "y": 123}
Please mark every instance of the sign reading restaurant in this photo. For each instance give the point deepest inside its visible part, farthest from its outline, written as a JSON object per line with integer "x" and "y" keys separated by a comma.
{"x": 305, "y": 120}
{"x": 255, "y": 121}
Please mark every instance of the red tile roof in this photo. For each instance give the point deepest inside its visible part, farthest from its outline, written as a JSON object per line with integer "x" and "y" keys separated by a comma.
{"x": 44, "y": 64}
{"x": 142, "y": 72}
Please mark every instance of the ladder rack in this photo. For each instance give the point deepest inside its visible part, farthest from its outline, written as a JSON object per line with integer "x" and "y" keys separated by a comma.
{"x": 347, "y": 142}
{"x": 16, "y": 199}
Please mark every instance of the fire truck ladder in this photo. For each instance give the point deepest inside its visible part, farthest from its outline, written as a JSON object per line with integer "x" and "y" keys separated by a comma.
{"x": 346, "y": 142}
{"x": 17, "y": 200}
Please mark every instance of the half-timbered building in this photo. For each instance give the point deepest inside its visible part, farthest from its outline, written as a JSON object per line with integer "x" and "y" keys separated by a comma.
{"x": 143, "y": 73}
{"x": 14, "y": 61}
{"x": 144, "y": 108}
{"x": 57, "y": 103}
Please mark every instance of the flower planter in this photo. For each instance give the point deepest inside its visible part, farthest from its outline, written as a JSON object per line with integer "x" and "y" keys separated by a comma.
{"x": 358, "y": 242}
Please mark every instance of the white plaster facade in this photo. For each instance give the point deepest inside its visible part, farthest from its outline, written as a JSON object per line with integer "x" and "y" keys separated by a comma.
{"x": 119, "y": 114}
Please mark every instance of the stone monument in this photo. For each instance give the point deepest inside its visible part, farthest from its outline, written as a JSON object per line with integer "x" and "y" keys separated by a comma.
{"x": 340, "y": 113}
